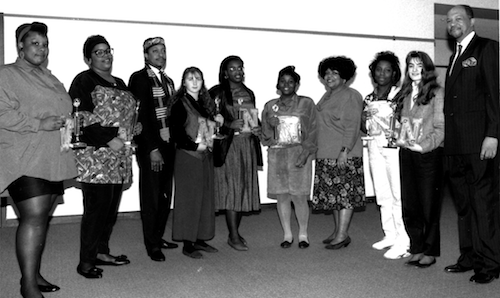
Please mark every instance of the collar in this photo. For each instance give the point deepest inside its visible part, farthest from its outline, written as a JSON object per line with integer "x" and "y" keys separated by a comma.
{"x": 21, "y": 63}
{"x": 466, "y": 41}
{"x": 155, "y": 70}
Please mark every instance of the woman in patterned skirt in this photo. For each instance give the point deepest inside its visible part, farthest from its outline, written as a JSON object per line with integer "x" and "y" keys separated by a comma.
{"x": 338, "y": 180}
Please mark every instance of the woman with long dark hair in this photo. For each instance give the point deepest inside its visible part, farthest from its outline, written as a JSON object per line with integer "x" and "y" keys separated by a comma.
{"x": 421, "y": 135}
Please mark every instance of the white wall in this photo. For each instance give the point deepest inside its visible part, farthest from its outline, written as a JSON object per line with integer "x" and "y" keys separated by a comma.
{"x": 268, "y": 35}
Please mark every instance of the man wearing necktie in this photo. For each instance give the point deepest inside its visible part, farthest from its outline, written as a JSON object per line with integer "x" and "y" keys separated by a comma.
{"x": 155, "y": 152}
{"x": 472, "y": 113}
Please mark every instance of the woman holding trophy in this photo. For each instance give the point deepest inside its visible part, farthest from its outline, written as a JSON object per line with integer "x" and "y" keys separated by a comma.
{"x": 108, "y": 112}
{"x": 383, "y": 156}
{"x": 192, "y": 129}
{"x": 236, "y": 181}
{"x": 289, "y": 129}
{"x": 421, "y": 135}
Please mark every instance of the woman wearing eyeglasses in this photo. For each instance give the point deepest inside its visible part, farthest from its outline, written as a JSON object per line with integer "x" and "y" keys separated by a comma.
{"x": 108, "y": 111}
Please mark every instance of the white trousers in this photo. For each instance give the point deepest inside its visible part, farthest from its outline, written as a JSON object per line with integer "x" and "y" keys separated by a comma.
{"x": 384, "y": 167}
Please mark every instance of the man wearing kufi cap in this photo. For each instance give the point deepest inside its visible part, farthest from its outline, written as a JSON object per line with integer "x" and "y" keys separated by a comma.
{"x": 155, "y": 152}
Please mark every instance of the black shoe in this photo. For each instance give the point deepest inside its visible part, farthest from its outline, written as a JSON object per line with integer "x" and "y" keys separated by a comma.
{"x": 412, "y": 263}
{"x": 483, "y": 278}
{"x": 168, "y": 245}
{"x": 420, "y": 265}
{"x": 157, "y": 256}
{"x": 48, "y": 288}
{"x": 303, "y": 244}
{"x": 202, "y": 245}
{"x": 92, "y": 273}
{"x": 457, "y": 268}
{"x": 237, "y": 246}
{"x": 286, "y": 244}
{"x": 192, "y": 253}
{"x": 118, "y": 261}
{"x": 339, "y": 245}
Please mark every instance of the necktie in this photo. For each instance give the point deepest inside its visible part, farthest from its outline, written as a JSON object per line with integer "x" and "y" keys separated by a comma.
{"x": 165, "y": 84}
{"x": 458, "y": 53}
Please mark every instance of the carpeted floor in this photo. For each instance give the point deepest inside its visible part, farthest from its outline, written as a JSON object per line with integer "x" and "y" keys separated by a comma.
{"x": 266, "y": 270}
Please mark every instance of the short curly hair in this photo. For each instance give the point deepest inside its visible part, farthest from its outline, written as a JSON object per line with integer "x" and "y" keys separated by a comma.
{"x": 345, "y": 66}
{"x": 393, "y": 61}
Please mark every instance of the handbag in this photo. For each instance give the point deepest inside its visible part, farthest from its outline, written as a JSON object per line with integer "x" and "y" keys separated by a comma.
{"x": 220, "y": 150}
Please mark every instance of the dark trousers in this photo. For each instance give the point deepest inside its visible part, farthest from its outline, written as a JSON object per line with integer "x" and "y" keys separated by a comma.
{"x": 421, "y": 185}
{"x": 155, "y": 192}
{"x": 100, "y": 210}
{"x": 474, "y": 187}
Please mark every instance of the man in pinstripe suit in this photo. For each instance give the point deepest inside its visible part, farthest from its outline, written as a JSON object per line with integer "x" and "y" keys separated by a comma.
{"x": 472, "y": 115}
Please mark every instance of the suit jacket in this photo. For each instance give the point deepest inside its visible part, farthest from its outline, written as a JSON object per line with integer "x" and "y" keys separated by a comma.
{"x": 140, "y": 85}
{"x": 471, "y": 104}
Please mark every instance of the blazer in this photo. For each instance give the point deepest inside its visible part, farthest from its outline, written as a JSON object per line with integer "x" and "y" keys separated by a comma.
{"x": 471, "y": 104}
{"x": 140, "y": 86}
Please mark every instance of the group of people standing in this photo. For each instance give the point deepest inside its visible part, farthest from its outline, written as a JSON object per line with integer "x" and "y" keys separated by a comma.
{"x": 210, "y": 142}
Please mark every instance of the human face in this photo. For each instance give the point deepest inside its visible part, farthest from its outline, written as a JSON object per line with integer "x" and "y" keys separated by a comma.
{"x": 156, "y": 56}
{"x": 383, "y": 73}
{"x": 235, "y": 72}
{"x": 104, "y": 63}
{"x": 332, "y": 79}
{"x": 34, "y": 49}
{"x": 287, "y": 85}
{"x": 415, "y": 68}
{"x": 459, "y": 25}
{"x": 193, "y": 83}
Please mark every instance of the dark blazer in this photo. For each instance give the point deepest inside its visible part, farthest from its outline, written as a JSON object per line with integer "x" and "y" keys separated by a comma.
{"x": 471, "y": 104}
{"x": 140, "y": 85}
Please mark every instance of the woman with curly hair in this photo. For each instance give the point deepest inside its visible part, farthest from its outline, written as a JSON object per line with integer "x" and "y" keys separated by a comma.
{"x": 191, "y": 129}
{"x": 338, "y": 180}
{"x": 420, "y": 109}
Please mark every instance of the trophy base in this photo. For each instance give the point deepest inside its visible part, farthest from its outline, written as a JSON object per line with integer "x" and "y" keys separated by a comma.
{"x": 218, "y": 137}
{"x": 367, "y": 138}
{"x": 78, "y": 145}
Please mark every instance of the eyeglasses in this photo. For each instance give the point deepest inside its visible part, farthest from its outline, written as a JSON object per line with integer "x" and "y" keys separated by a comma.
{"x": 102, "y": 53}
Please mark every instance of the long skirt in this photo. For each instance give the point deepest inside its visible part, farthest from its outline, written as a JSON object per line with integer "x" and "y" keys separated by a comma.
{"x": 194, "y": 212}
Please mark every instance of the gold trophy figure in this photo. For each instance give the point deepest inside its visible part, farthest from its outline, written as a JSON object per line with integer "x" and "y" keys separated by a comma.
{"x": 217, "y": 134}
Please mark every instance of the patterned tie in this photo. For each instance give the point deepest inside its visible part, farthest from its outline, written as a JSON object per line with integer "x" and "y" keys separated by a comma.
{"x": 164, "y": 82}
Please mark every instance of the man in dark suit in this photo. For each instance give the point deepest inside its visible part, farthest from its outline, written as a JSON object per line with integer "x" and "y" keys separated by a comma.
{"x": 155, "y": 153}
{"x": 472, "y": 115}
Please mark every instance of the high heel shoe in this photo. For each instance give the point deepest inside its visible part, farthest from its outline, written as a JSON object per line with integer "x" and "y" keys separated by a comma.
{"x": 339, "y": 245}
{"x": 286, "y": 244}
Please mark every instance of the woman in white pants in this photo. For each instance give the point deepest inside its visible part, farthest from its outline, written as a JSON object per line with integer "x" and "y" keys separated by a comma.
{"x": 383, "y": 158}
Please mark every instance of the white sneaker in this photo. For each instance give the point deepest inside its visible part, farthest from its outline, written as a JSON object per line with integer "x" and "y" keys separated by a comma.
{"x": 384, "y": 243}
{"x": 397, "y": 252}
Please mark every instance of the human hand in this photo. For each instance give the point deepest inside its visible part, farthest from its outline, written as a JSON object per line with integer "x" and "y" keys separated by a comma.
{"x": 219, "y": 119}
{"x": 414, "y": 147}
{"x": 165, "y": 134}
{"x": 51, "y": 123}
{"x": 257, "y": 130}
{"x": 273, "y": 121}
{"x": 116, "y": 144}
{"x": 156, "y": 160}
{"x": 489, "y": 148}
{"x": 201, "y": 147}
{"x": 342, "y": 160}
{"x": 137, "y": 129}
{"x": 237, "y": 124}
{"x": 302, "y": 159}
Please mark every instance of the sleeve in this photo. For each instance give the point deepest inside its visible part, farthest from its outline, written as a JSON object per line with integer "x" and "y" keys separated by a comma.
{"x": 310, "y": 126}
{"x": 351, "y": 120}
{"x": 489, "y": 69}
{"x": 434, "y": 138}
{"x": 149, "y": 137}
{"x": 177, "y": 130}
{"x": 267, "y": 137}
{"x": 93, "y": 134}
{"x": 10, "y": 117}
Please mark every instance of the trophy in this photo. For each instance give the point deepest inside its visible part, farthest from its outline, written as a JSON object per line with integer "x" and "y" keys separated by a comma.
{"x": 78, "y": 123}
{"x": 275, "y": 108}
{"x": 217, "y": 134}
{"x": 129, "y": 134}
{"x": 391, "y": 133}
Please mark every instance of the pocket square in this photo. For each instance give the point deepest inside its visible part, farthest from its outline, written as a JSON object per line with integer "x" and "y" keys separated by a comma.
{"x": 469, "y": 62}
